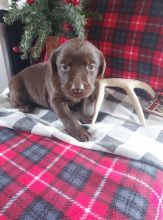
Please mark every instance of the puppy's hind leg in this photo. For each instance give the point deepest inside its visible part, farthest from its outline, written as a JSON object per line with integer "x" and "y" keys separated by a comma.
{"x": 26, "y": 108}
{"x": 19, "y": 97}
{"x": 20, "y": 102}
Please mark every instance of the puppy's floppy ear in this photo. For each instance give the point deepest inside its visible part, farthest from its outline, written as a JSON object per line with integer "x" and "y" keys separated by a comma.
{"x": 52, "y": 61}
{"x": 102, "y": 66}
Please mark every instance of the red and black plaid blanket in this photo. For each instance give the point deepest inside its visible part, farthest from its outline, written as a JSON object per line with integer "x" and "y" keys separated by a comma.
{"x": 130, "y": 34}
{"x": 46, "y": 179}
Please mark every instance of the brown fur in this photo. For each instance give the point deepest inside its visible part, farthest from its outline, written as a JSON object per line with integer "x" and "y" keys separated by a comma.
{"x": 67, "y": 80}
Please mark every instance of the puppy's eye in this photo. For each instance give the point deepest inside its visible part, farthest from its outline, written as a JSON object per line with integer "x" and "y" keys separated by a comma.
{"x": 91, "y": 67}
{"x": 64, "y": 67}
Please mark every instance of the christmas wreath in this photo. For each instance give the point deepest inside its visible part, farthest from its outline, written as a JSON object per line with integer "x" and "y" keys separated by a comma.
{"x": 43, "y": 18}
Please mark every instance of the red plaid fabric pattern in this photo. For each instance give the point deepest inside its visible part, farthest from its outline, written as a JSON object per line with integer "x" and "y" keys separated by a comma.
{"x": 130, "y": 35}
{"x": 46, "y": 179}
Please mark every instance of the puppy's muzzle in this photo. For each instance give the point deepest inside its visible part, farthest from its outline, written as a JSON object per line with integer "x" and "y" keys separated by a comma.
{"x": 77, "y": 89}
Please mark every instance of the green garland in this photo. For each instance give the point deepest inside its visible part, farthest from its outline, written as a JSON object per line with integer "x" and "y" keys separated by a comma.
{"x": 43, "y": 18}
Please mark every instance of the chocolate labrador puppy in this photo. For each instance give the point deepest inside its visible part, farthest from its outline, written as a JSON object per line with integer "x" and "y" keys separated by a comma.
{"x": 64, "y": 83}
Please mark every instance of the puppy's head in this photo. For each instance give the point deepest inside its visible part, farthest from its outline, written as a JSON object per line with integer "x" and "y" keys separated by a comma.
{"x": 77, "y": 63}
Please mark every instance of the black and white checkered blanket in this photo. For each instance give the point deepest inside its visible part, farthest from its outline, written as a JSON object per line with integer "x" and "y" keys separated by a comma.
{"x": 117, "y": 129}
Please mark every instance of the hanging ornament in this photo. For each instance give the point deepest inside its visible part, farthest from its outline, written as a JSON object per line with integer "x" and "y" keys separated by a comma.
{"x": 67, "y": 27}
{"x": 74, "y": 2}
{"x": 16, "y": 49}
{"x": 30, "y": 2}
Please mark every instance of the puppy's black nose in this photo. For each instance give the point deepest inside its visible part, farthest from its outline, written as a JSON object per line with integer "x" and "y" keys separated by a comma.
{"x": 77, "y": 89}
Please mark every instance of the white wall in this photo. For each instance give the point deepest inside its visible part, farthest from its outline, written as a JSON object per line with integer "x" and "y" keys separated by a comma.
{"x": 5, "y": 68}
{"x": 3, "y": 73}
{"x": 3, "y": 4}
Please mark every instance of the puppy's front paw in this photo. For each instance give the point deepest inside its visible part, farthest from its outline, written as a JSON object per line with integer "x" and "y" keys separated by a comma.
{"x": 81, "y": 134}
